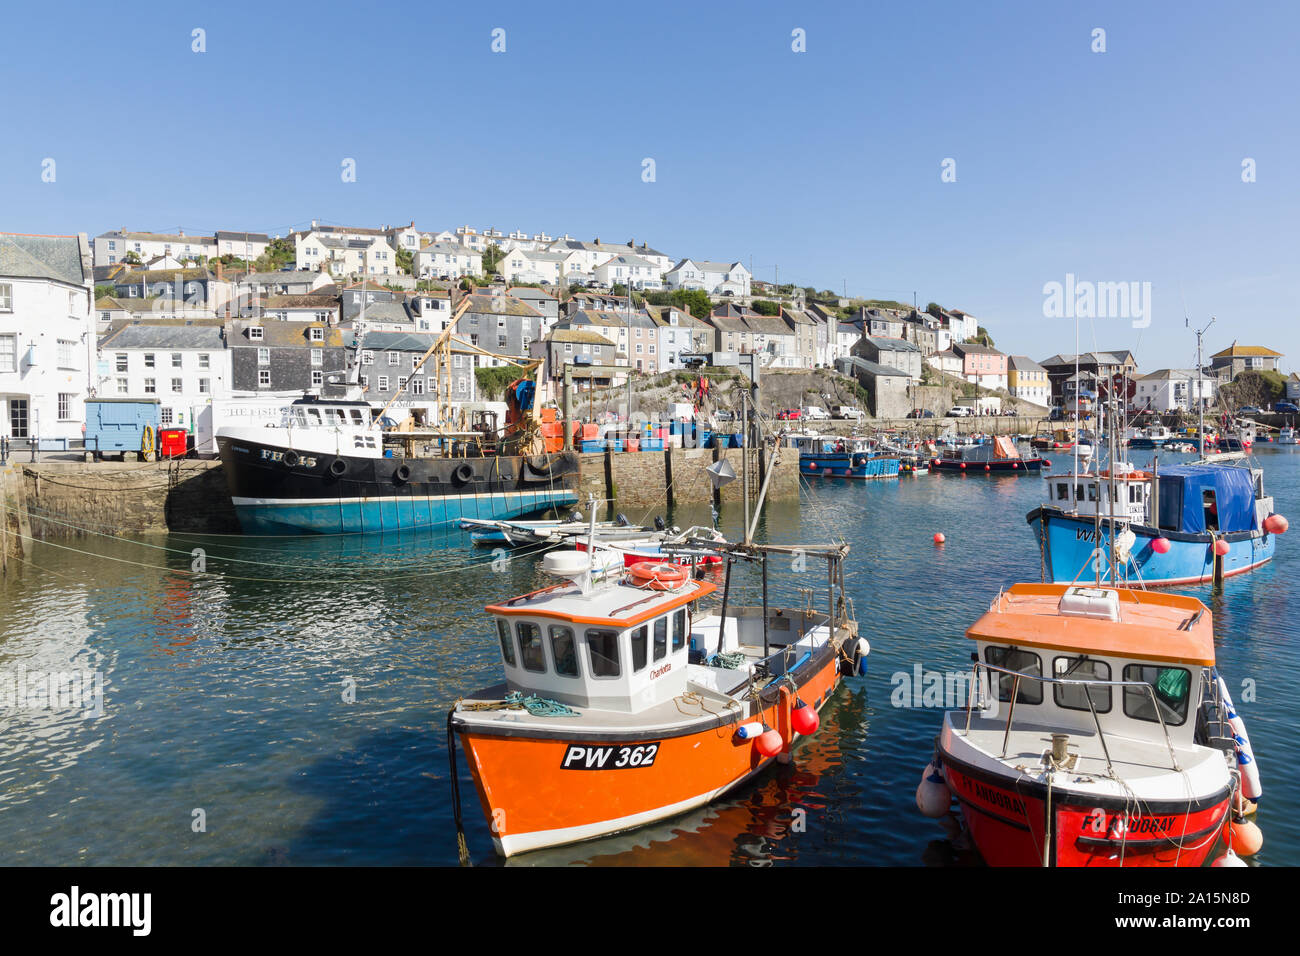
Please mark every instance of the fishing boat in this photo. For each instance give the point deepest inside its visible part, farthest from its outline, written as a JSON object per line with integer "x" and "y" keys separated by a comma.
{"x": 1060, "y": 439}
{"x": 1099, "y": 733}
{"x": 625, "y": 703}
{"x": 1152, "y": 436}
{"x": 1182, "y": 524}
{"x": 519, "y": 533}
{"x": 1286, "y": 435}
{"x": 332, "y": 467}
{"x": 830, "y": 457}
{"x": 999, "y": 454}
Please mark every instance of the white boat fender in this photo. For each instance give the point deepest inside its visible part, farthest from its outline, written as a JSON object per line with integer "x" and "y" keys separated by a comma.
{"x": 855, "y": 658}
{"x": 932, "y": 794}
{"x": 1230, "y": 859}
{"x": 1251, "y": 787}
{"x": 749, "y": 731}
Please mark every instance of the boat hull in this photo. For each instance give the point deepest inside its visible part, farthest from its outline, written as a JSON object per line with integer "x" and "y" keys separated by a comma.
{"x": 323, "y": 493}
{"x": 1008, "y": 818}
{"x": 532, "y": 801}
{"x": 845, "y": 465}
{"x": 1067, "y": 541}
{"x": 1022, "y": 466}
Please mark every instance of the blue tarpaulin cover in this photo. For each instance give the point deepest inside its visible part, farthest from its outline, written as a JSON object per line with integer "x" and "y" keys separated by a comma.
{"x": 1182, "y": 497}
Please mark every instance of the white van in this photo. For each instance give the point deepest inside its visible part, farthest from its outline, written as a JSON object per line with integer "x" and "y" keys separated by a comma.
{"x": 960, "y": 411}
{"x": 816, "y": 413}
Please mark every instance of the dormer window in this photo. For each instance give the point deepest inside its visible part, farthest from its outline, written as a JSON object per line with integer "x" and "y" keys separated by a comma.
{"x": 318, "y": 335}
{"x": 255, "y": 333}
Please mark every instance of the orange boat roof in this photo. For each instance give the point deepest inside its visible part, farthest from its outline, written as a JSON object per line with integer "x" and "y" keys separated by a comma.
{"x": 1152, "y": 625}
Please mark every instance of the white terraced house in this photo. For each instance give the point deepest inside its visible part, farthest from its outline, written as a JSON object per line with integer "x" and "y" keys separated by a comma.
{"x": 112, "y": 247}
{"x": 715, "y": 278}
{"x": 439, "y": 259}
{"x": 633, "y": 271}
{"x": 1173, "y": 388}
{"x": 182, "y": 365}
{"x": 521, "y": 265}
{"x": 346, "y": 255}
{"x": 47, "y": 336}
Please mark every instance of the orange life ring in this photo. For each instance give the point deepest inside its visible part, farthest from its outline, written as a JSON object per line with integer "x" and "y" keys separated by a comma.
{"x": 658, "y": 575}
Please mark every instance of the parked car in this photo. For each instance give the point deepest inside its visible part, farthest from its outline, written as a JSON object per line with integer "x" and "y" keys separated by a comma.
{"x": 816, "y": 413}
{"x": 724, "y": 416}
{"x": 1249, "y": 410}
{"x": 960, "y": 411}
{"x": 848, "y": 411}
{"x": 1288, "y": 407}
{"x": 920, "y": 413}
{"x": 788, "y": 415}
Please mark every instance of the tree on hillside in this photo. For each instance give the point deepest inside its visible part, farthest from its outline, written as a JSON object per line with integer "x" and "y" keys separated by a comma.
{"x": 695, "y": 301}
{"x": 406, "y": 261}
{"x": 131, "y": 258}
{"x": 492, "y": 257}
{"x": 935, "y": 309}
{"x": 1254, "y": 387}
{"x": 983, "y": 338}
{"x": 764, "y": 307}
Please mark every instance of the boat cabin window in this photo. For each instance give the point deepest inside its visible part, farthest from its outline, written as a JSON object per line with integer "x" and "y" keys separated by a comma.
{"x": 530, "y": 646}
{"x": 1074, "y": 697}
{"x": 356, "y": 416}
{"x": 507, "y": 645}
{"x": 639, "y": 647}
{"x": 1062, "y": 491}
{"x": 661, "y": 638}
{"x": 1092, "y": 492}
{"x": 1172, "y": 686}
{"x": 679, "y": 630}
{"x": 1134, "y": 494}
{"x": 1211, "y": 511}
{"x": 602, "y": 645}
{"x": 1014, "y": 659}
{"x": 311, "y": 416}
{"x": 564, "y": 651}
{"x": 1078, "y": 492}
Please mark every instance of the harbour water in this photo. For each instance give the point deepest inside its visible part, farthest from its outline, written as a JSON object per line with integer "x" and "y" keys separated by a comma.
{"x": 284, "y": 700}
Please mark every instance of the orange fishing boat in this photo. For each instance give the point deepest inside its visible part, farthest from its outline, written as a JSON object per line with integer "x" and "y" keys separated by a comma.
{"x": 624, "y": 703}
{"x": 1103, "y": 736}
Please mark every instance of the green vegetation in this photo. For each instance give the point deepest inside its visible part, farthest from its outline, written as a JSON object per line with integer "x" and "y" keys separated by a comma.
{"x": 764, "y": 307}
{"x": 492, "y": 257}
{"x": 104, "y": 290}
{"x": 983, "y": 338}
{"x": 132, "y": 258}
{"x": 406, "y": 261}
{"x": 695, "y": 301}
{"x": 1254, "y": 387}
{"x": 492, "y": 382}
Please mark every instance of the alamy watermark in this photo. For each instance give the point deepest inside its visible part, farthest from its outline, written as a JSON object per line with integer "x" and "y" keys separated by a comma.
{"x": 21, "y": 689}
{"x": 1083, "y": 299}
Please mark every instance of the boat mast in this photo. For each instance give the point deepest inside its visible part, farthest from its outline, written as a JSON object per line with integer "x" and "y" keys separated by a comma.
{"x": 1200, "y": 390}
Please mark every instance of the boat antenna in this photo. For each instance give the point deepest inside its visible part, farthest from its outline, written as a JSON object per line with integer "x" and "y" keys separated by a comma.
{"x": 1200, "y": 386}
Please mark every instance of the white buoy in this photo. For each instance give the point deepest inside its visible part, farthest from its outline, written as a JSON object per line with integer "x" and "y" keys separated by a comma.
{"x": 1229, "y": 859}
{"x": 749, "y": 731}
{"x": 932, "y": 795}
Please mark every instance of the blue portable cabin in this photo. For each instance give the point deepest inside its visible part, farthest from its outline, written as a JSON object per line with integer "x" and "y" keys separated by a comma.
{"x": 117, "y": 425}
{"x": 1196, "y": 499}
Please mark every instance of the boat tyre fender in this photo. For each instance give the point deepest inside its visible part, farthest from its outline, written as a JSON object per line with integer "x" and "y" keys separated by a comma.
{"x": 290, "y": 459}
{"x": 462, "y": 474}
{"x": 338, "y": 467}
{"x": 541, "y": 471}
{"x": 402, "y": 474}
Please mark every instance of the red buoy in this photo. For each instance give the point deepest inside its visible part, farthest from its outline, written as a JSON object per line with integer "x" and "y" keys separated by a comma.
{"x": 939, "y": 538}
{"x": 963, "y": 466}
{"x": 804, "y": 720}
{"x": 1161, "y": 545}
{"x": 986, "y": 467}
{"x": 1276, "y": 524}
{"x": 1220, "y": 547}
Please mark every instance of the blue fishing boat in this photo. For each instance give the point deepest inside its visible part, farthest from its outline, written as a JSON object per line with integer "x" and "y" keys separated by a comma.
{"x": 1186, "y": 524}
{"x": 998, "y": 455}
{"x": 828, "y": 457}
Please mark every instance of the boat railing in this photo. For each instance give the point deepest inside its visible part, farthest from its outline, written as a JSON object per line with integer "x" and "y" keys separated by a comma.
{"x": 1018, "y": 676}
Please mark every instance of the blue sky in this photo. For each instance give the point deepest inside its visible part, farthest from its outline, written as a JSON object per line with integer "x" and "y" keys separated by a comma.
{"x": 1117, "y": 166}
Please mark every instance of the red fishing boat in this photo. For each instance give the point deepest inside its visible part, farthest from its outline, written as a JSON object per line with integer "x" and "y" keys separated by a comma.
{"x": 1103, "y": 736}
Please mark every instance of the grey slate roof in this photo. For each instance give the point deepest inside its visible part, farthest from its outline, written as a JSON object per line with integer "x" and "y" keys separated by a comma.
{"x": 398, "y": 341}
{"x": 244, "y": 236}
{"x": 872, "y": 368}
{"x": 165, "y": 337}
{"x": 42, "y": 257}
{"x": 896, "y": 345}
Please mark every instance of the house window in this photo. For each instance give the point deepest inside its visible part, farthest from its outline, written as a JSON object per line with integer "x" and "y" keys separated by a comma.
{"x": 501, "y": 341}
{"x": 383, "y": 383}
{"x": 166, "y": 416}
{"x": 401, "y": 382}
{"x": 204, "y": 386}
{"x": 393, "y": 358}
{"x": 122, "y": 386}
{"x": 417, "y": 386}
{"x": 6, "y": 297}
{"x": 263, "y": 356}
{"x": 365, "y": 382}
{"x": 150, "y": 386}
{"x": 148, "y": 360}
{"x": 255, "y": 333}
{"x": 204, "y": 360}
{"x": 318, "y": 335}
{"x": 177, "y": 360}
{"x": 263, "y": 377}
{"x": 177, "y": 385}
{"x": 318, "y": 357}
{"x": 367, "y": 357}
{"x": 65, "y": 406}
{"x": 66, "y": 359}
{"x": 317, "y": 378}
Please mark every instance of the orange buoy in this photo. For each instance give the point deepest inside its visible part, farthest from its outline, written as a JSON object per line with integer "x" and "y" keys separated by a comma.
{"x": 769, "y": 743}
{"x": 939, "y": 538}
{"x": 1276, "y": 524}
{"x": 658, "y": 575}
{"x": 1221, "y": 547}
{"x": 1246, "y": 838}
